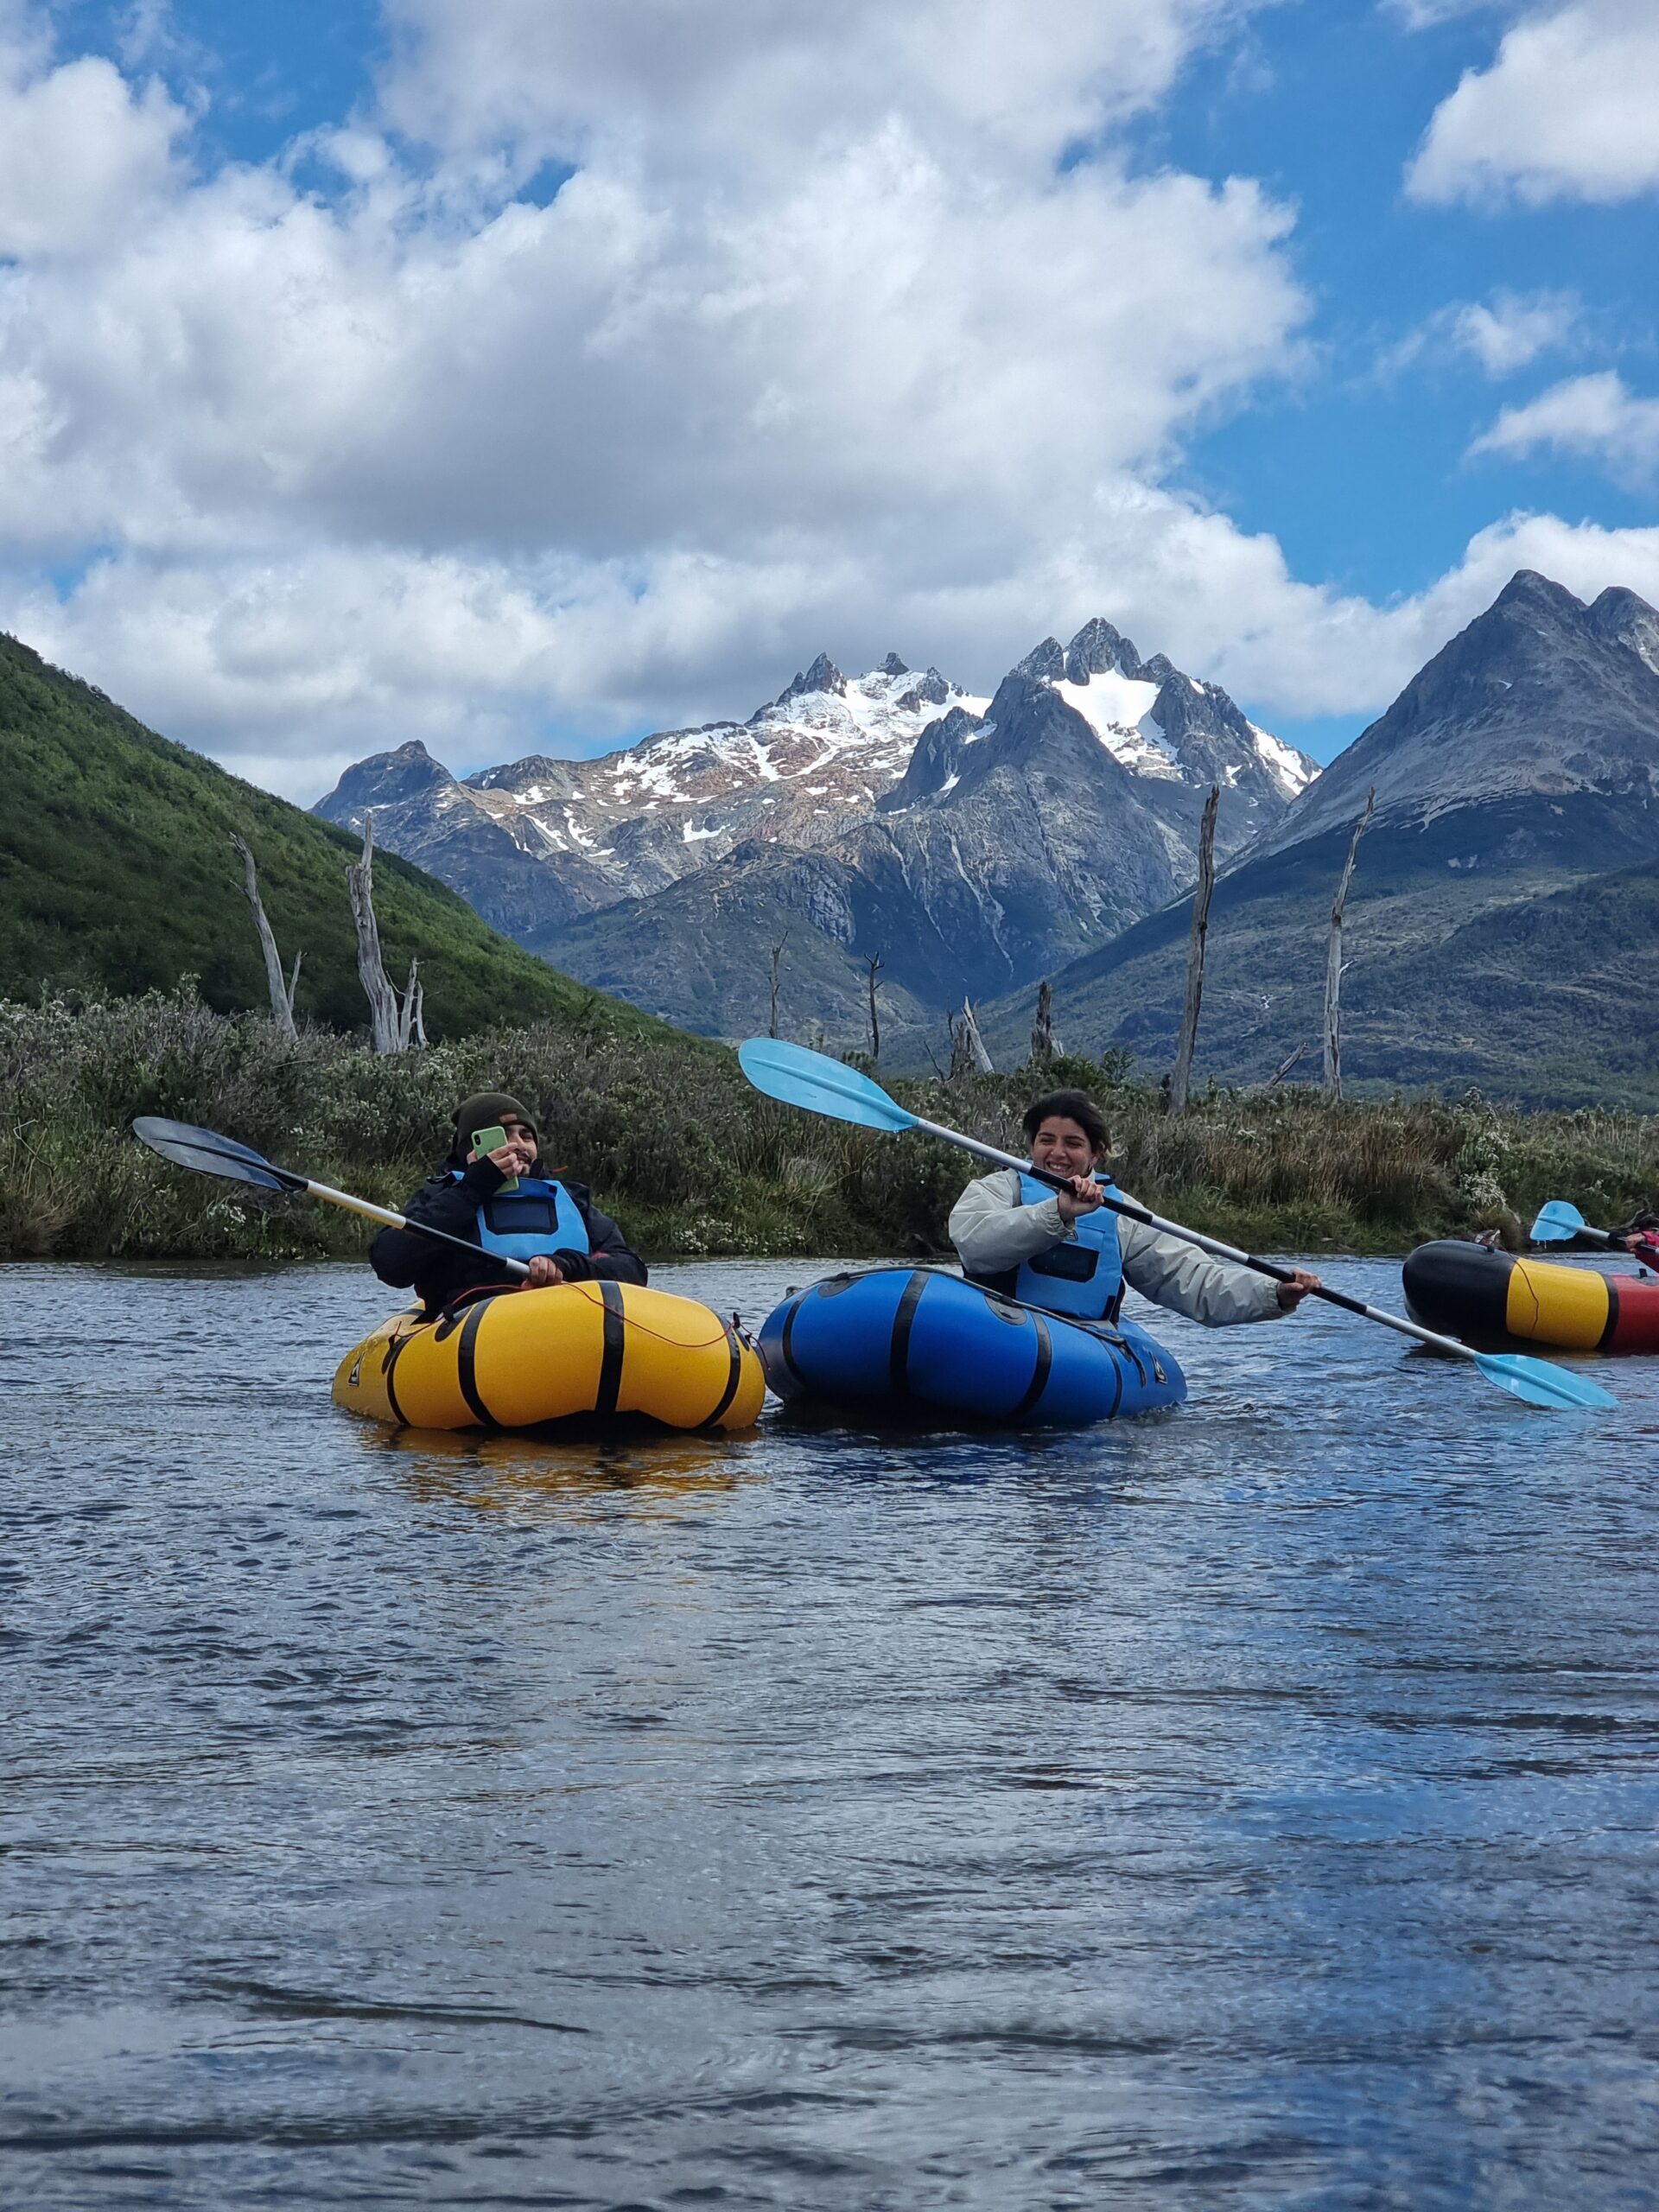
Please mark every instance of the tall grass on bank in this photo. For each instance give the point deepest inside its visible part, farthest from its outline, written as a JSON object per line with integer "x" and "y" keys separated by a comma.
{"x": 692, "y": 1161}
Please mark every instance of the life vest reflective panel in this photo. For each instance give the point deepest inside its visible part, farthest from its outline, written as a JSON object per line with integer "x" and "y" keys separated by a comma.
{"x": 1082, "y": 1276}
{"x": 539, "y": 1217}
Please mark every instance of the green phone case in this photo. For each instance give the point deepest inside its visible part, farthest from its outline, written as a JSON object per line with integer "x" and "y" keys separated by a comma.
{"x": 491, "y": 1140}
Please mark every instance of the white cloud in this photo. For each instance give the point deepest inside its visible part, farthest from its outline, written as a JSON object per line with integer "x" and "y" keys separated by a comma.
{"x": 756, "y": 85}
{"x": 1566, "y": 112}
{"x": 1502, "y": 334}
{"x": 1428, "y": 14}
{"x": 823, "y": 319}
{"x": 823, "y": 342}
{"x": 1511, "y": 330}
{"x": 1596, "y": 417}
{"x": 84, "y": 154}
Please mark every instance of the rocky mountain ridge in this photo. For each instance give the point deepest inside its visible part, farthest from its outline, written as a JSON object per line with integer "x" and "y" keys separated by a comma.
{"x": 1516, "y": 773}
{"x": 965, "y": 843}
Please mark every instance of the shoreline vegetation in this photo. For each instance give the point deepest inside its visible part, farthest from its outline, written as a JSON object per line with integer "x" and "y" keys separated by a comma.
{"x": 693, "y": 1162}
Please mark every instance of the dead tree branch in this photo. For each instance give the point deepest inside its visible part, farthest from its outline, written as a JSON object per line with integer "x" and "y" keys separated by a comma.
{"x": 968, "y": 1053}
{"x": 384, "y": 1014}
{"x": 1181, "y": 1074}
{"x": 281, "y": 992}
{"x": 1043, "y": 1043}
{"x": 1333, "y": 960}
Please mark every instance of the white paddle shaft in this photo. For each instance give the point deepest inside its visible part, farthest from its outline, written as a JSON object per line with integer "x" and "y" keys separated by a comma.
{"x": 1210, "y": 1244}
{"x": 515, "y": 1268}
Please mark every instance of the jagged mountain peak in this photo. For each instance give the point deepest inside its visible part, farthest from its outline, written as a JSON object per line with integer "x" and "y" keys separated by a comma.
{"x": 1098, "y": 649}
{"x": 386, "y": 779}
{"x": 1538, "y": 699}
{"x": 1044, "y": 663}
{"x": 891, "y": 666}
{"x": 1619, "y": 614}
{"x": 1158, "y": 723}
{"x": 823, "y": 676}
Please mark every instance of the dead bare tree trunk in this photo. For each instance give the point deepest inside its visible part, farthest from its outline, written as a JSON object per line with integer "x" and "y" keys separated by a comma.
{"x": 282, "y": 992}
{"x": 383, "y": 1016}
{"x": 1286, "y": 1065}
{"x": 777, "y": 963}
{"x": 968, "y": 1053}
{"x": 1333, "y": 960}
{"x": 873, "y": 961}
{"x": 411, "y": 1028}
{"x": 1043, "y": 1043}
{"x": 1181, "y": 1074}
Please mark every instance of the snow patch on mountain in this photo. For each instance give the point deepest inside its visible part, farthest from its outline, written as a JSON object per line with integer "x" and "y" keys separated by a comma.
{"x": 1118, "y": 709}
{"x": 1291, "y": 771}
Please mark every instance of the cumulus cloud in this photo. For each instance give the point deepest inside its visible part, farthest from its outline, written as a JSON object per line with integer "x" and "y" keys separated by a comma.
{"x": 1566, "y": 112}
{"x": 826, "y": 337}
{"x": 84, "y": 154}
{"x": 825, "y": 312}
{"x": 1595, "y": 418}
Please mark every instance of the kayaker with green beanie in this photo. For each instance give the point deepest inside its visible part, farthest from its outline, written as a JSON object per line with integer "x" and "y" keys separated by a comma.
{"x": 507, "y": 1201}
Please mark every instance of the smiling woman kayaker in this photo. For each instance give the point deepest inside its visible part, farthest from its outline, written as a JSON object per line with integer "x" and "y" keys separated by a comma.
{"x": 1067, "y": 1252}
{"x": 547, "y": 1222}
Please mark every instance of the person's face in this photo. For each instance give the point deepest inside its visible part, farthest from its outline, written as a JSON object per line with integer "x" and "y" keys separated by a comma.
{"x": 1061, "y": 1147}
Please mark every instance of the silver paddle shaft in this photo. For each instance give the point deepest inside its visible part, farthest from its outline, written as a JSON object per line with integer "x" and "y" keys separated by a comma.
{"x": 515, "y": 1268}
{"x": 1210, "y": 1244}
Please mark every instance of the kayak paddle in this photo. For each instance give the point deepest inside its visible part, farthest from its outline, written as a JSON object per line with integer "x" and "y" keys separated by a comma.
{"x": 1558, "y": 1223}
{"x": 821, "y": 1085}
{"x": 208, "y": 1153}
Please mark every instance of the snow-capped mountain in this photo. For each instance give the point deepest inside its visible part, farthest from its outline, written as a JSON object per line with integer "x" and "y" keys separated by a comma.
{"x": 633, "y": 821}
{"x": 969, "y": 843}
{"x": 1153, "y": 719}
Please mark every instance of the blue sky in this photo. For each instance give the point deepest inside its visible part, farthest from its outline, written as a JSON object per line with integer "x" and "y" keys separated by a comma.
{"x": 531, "y": 376}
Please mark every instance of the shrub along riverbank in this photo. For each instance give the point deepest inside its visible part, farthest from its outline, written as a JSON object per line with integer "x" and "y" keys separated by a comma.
{"x": 692, "y": 1160}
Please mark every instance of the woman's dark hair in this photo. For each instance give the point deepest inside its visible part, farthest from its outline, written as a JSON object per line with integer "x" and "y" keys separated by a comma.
{"x": 1072, "y": 1106}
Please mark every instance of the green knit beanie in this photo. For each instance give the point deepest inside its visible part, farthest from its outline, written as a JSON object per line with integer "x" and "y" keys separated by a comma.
{"x": 485, "y": 1109}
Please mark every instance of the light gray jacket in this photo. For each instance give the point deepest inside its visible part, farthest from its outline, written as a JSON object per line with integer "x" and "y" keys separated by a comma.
{"x": 992, "y": 1233}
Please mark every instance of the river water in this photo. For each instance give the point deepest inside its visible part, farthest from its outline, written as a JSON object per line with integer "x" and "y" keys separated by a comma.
{"x": 1252, "y": 1807}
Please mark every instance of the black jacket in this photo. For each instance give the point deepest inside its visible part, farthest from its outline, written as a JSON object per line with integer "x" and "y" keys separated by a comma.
{"x": 404, "y": 1259}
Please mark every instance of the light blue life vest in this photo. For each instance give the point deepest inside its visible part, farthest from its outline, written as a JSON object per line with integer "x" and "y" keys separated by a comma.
{"x": 1082, "y": 1276}
{"x": 538, "y": 1219}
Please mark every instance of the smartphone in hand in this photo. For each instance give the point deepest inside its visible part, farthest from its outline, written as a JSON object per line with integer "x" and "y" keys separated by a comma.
{"x": 485, "y": 1141}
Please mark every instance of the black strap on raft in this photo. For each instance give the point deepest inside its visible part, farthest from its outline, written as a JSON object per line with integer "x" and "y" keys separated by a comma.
{"x": 1041, "y": 1368}
{"x": 735, "y": 1341}
{"x": 903, "y": 1322}
{"x": 467, "y": 1361}
{"x": 615, "y": 1343}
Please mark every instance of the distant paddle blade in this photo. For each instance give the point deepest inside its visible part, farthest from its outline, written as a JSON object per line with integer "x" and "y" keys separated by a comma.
{"x": 1539, "y": 1384}
{"x": 813, "y": 1080}
{"x": 1556, "y": 1223}
{"x": 209, "y": 1153}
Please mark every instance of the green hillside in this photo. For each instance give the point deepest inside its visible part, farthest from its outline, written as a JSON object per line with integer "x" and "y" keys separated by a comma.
{"x": 117, "y": 875}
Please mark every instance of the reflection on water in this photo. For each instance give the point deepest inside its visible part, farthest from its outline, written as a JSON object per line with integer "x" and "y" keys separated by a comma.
{"x": 1255, "y": 1807}
{"x": 550, "y": 1473}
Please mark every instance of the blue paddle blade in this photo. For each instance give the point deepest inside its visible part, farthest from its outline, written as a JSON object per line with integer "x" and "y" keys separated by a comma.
{"x": 820, "y": 1085}
{"x": 1538, "y": 1383}
{"x": 1556, "y": 1223}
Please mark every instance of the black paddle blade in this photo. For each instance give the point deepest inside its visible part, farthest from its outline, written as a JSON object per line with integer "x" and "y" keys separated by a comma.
{"x": 209, "y": 1153}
